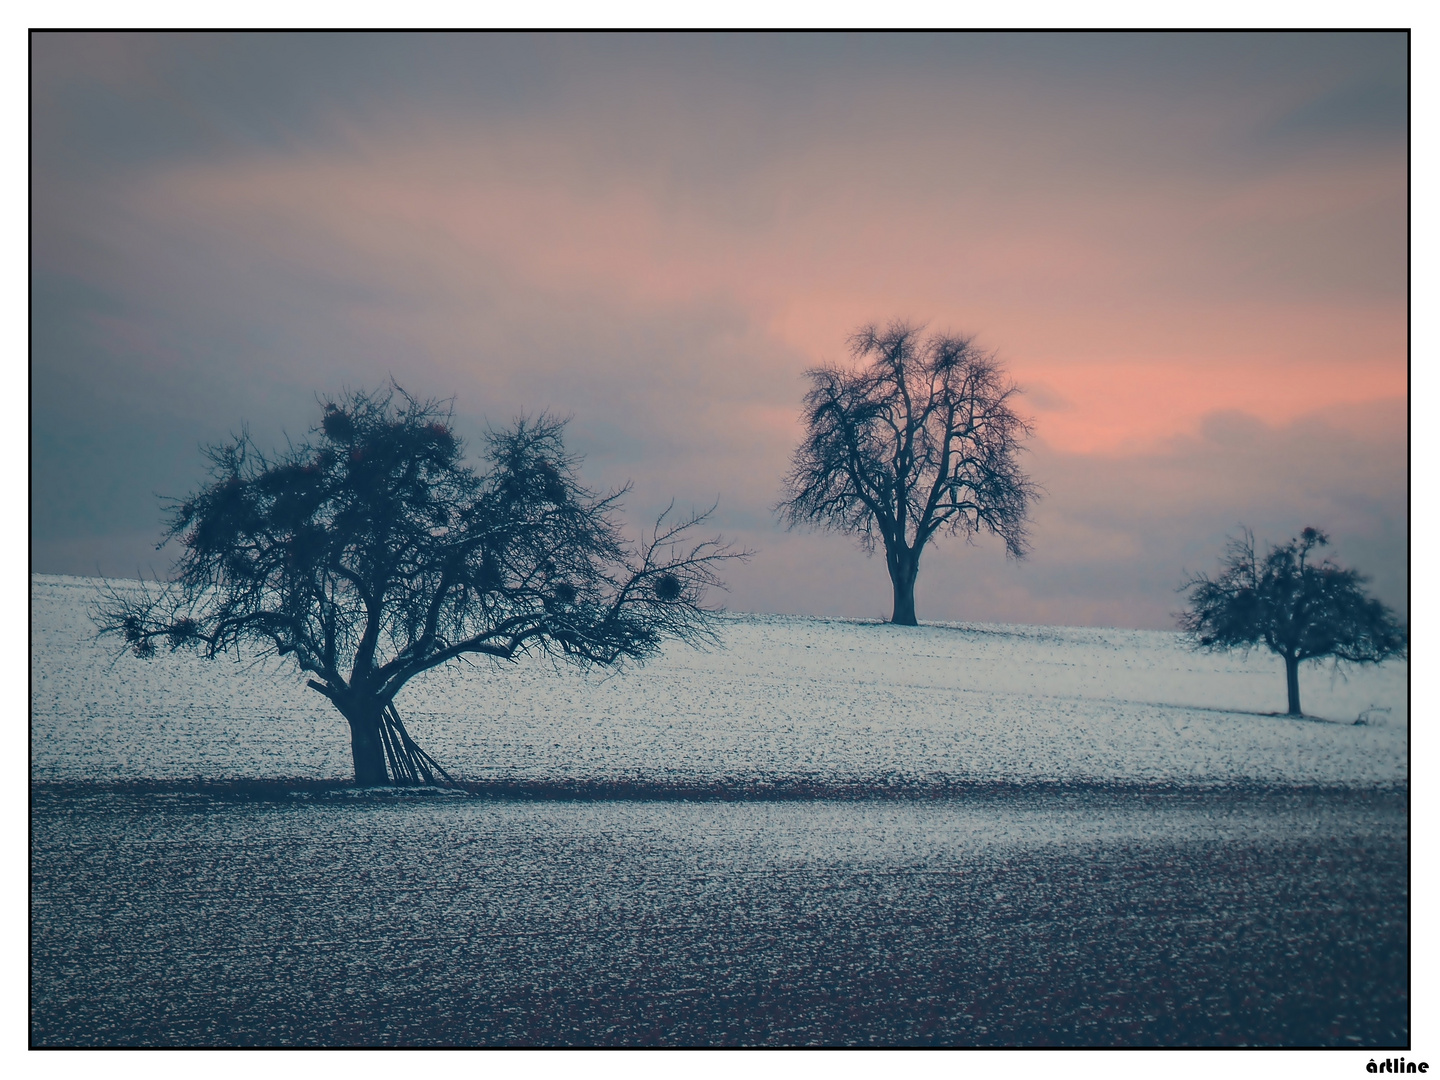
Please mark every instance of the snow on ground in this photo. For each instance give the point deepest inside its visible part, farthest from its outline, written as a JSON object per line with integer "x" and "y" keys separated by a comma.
{"x": 787, "y": 698}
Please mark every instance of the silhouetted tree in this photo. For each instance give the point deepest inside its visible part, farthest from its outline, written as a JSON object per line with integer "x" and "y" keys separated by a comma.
{"x": 920, "y": 440}
{"x": 1298, "y": 609}
{"x": 371, "y": 553}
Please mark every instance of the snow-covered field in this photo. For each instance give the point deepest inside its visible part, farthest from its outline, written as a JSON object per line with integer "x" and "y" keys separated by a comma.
{"x": 786, "y": 699}
{"x": 1201, "y": 873}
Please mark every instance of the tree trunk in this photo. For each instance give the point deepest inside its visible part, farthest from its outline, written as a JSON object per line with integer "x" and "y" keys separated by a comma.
{"x": 382, "y": 750}
{"x": 1292, "y": 685}
{"x": 367, "y": 747}
{"x": 904, "y": 568}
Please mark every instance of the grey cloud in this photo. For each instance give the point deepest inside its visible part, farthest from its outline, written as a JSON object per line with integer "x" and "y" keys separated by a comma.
{"x": 1133, "y": 526}
{"x": 1045, "y": 398}
{"x": 118, "y": 100}
{"x": 1117, "y": 535}
{"x": 159, "y": 327}
{"x": 1369, "y": 109}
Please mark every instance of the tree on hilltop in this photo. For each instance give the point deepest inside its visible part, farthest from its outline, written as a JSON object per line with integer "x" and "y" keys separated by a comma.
{"x": 372, "y": 553}
{"x": 921, "y": 440}
{"x": 1297, "y": 608}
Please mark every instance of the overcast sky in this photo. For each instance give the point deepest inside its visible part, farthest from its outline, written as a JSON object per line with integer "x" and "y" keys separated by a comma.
{"x": 1190, "y": 250}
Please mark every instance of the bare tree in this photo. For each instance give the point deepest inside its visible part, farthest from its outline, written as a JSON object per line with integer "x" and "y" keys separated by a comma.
{"x": 372, "y": 553}
{"x": 921, "y": 440}
{"x": 1298, "y": 609}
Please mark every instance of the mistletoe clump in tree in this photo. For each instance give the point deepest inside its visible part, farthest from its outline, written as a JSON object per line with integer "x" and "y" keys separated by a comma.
{"x": 1297, "y": 608}
{"x": 372, "y": 553}
{"x": 920, "y": 440}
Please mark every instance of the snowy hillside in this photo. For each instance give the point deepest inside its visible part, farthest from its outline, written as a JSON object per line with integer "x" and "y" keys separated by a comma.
{"x": 786, "y": 699}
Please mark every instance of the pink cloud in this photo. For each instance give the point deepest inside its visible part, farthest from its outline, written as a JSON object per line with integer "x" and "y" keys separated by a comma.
{"x": 1056, "y": 293}
{"x": 662, "y": 271}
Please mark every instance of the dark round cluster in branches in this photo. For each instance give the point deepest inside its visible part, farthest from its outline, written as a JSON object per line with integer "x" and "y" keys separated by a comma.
{"x": 668, "y": 587}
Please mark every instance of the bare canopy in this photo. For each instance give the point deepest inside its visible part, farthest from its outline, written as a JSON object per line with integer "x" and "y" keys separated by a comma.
{"x": 373, "y": 553}
{"x": 920, "y": 440}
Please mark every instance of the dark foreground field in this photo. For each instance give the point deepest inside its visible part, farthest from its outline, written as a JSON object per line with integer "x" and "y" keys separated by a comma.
{"x": 308, "y": 914}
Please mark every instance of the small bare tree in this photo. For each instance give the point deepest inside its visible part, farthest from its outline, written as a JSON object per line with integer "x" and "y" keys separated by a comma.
{"x": 1296, "y": 607}
{"x": 372, "y": 554}
{"x": 920, "y": 440}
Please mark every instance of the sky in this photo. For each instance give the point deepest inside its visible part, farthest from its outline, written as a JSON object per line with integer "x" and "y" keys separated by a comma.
{"x": 1190, "y": 251}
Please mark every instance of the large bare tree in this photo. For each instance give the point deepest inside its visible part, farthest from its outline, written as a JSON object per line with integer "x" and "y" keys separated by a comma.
{"x": 372, "y": 553}
{"x": 921, "y": 439}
